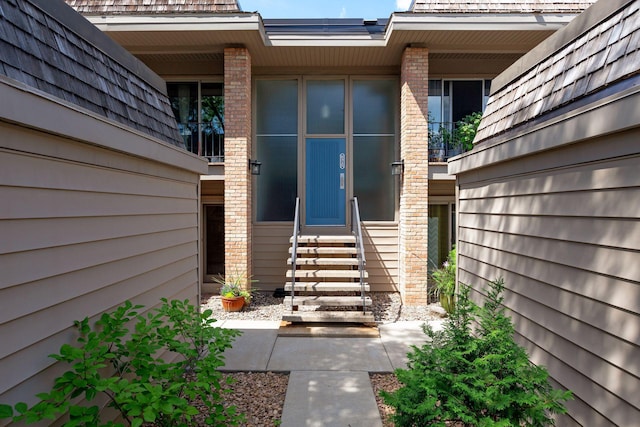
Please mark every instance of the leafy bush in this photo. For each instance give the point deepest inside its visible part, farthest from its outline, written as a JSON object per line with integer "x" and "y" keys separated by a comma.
{"x": 127, "y": 367}
{"x": 466, "y": 130}
{"x": 480, "y": 380}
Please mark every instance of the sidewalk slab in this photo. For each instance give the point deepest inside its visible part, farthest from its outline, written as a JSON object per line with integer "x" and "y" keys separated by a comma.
{"x": 251, "y": 350}
{"x": 397, "y": 339}
{"x": 330, "y": 399}
{"x": 329, "y": 354}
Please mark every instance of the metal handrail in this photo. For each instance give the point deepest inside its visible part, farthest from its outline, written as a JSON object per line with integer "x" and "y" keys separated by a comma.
{"x": 356, "y": 230}
{"x": 294, "y": 250}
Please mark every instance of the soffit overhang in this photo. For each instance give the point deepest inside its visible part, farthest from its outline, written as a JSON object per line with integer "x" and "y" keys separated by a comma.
{"x": 161, "y": 37}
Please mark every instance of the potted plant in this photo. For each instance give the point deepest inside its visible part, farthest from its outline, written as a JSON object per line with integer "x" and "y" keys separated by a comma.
{"x": 444, "y": 279}
{"x": 235, "y": 291}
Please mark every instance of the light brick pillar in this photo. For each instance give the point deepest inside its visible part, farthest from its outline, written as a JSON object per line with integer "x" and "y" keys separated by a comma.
{"x": 414, "y": 201}
{"x": 237, "y": 151}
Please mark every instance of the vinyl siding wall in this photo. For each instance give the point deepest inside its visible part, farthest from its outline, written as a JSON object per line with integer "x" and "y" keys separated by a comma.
{"x": 562, "y": 227}
{"x": 84, "y": 228}
{"x": 271, "y": 251}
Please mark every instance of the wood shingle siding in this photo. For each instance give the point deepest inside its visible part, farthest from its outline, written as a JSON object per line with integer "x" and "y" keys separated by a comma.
{"x": 40, "y": 51}
{"x": 601, "y": 56}
{"x": 140, "y": 7}
{"x": 551, "y": 206}
{"x": 501, "y": 6}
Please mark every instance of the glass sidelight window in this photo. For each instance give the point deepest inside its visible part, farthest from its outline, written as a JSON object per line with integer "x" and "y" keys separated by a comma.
{"x": 277, "y": 149}
{"x": 374, "y": 128}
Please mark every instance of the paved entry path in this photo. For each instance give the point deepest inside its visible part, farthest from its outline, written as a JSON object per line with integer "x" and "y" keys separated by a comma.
{"x": 329, "y": 377}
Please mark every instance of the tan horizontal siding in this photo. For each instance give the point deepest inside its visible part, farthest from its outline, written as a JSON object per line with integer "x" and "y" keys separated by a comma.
{"x": 566, "y": 239}
{"x": 84, "y": 229}
{"x": 381, "y": 250}
{"x": 270, "y": 254}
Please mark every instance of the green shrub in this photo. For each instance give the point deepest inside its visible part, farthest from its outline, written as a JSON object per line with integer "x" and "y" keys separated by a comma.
{"x": 127, "y": 367}
{"x": 444, "y": 279}
{"x": 478, "y": 377}
{"x": 466, "y": 130}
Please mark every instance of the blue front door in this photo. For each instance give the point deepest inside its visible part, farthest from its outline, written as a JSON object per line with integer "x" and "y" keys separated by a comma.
{"x": 326, "y": 181}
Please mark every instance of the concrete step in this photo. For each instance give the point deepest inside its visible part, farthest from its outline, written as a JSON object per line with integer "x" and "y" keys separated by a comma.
{"x": 324, "y": 261}
{"x": 326, "y": 287}
{"x": 331, "y": 301}
{"x": 306, "y": 239}
{"x": 329, "y": 317}
{"x": 333, "y": 274}
{"x": 324, "y": 250}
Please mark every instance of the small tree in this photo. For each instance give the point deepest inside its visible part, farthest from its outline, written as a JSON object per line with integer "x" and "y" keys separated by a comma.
{"x": 127, "y": 366}
{"x": 478, "y": 380}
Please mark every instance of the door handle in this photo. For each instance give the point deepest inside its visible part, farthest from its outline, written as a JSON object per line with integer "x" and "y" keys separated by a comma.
{"x": 342, "y": 181}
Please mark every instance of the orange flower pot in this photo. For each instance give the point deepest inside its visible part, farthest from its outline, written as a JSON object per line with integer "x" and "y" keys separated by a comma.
{"x": 232, "y": 304}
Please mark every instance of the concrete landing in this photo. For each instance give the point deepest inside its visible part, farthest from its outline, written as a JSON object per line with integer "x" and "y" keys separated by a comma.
{"x": 329, "y": 381}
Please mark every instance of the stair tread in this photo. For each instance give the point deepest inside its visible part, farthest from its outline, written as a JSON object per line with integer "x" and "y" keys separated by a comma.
{"x": 325, "y": 239}
{"x": 324, "y": 261}
{"x": 310, "y": 274}
{"x": 328, "y": 300}
{"x": 321, "y": 250}
{"x": 326, "y": 286}
{"x": 330, "y": 316}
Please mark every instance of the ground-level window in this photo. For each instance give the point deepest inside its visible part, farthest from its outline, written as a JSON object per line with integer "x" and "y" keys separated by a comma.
{"x": 442, "y": 233}
{"x": 199, "y": 110}
{"x": 277, "y": 149}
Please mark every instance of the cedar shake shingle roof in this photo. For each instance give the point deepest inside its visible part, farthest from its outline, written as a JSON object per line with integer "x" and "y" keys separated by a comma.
{"x": 142, "y": 7}
{"x": 41, "y": 48}
{"x": 607, "y": 53}
{"x": 501, "y": 6}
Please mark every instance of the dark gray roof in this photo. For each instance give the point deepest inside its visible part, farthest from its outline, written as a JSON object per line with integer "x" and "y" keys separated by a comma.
{"x": 501, "y": 6}
{"x": 146, "y": 7}
{"x": 48, "y": 46}
{"x": 326, "y": 26}
{"x": 601, "y": 55}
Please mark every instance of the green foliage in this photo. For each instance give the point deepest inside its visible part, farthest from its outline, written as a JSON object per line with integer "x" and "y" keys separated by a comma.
{"x": 236, "y": 285}
{"x": 466, "y": 130}
{"x": 127, "y": 367}
{"x": 479, "y": 380}
{"x": 444, "y": 277}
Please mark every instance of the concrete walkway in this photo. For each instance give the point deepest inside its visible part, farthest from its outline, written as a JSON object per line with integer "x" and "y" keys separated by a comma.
{"x": 329, "y": 377}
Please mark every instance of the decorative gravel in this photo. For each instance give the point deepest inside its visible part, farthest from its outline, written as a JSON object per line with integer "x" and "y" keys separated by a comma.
{"x": 387, "y": 307}
{"x": 260, "y": 395}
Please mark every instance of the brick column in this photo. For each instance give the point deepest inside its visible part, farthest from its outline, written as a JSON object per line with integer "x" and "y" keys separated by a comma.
{"x": 237, "y": 151}
{"x": 414, "y": 201}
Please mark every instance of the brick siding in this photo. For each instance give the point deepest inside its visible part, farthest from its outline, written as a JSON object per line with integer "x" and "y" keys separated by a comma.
{"x": 237, "y": 190}
{"x": 414, "y": 200}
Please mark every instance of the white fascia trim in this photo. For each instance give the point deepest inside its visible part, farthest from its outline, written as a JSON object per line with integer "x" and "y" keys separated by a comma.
{"x": 478, "y": 22}
{"x": 233, "y": 22}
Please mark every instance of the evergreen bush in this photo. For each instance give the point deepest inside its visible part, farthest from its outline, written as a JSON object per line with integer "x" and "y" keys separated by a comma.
{"x": 473, "y": 372}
